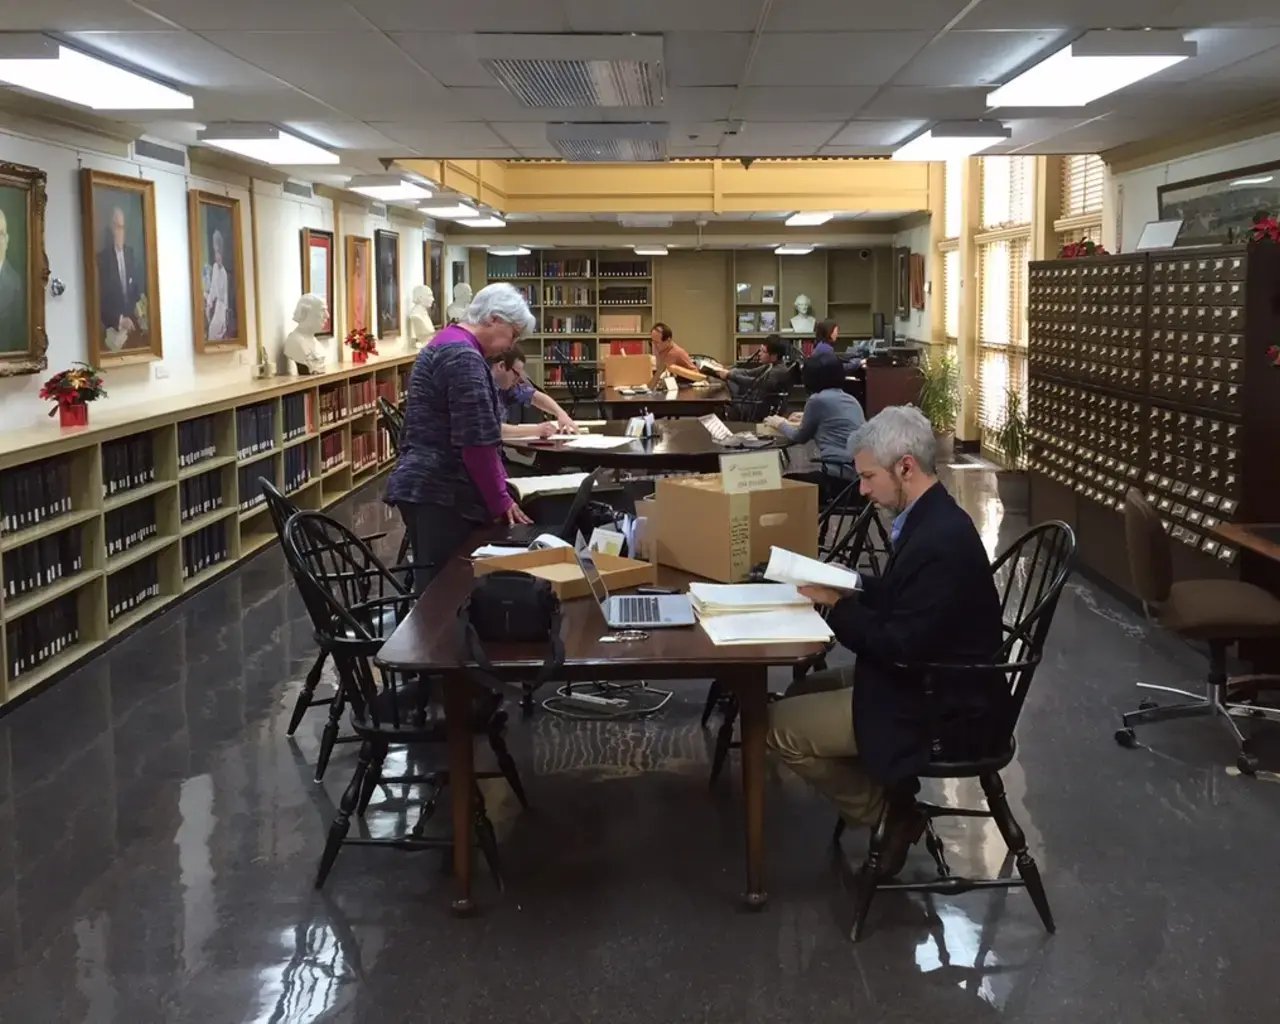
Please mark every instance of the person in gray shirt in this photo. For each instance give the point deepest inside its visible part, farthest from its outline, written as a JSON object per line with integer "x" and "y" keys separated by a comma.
{"x": 830, "y": 417}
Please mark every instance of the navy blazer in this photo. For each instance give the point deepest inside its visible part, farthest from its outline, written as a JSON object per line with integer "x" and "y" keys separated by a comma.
{"x": 936, "y": 602}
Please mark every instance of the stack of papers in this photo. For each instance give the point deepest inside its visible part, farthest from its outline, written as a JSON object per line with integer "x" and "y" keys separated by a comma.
{"x": 801, "y": 571}
{"x": 756, "y": 614}
{"x": 544, "y": 540}
{"x": 730, "y": 598}
{"x": 596, "y": 441}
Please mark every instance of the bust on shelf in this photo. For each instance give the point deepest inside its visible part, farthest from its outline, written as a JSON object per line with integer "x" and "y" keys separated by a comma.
{"x": 420, "y": 326}
{"x": 803, "y": 322}
{"x": 457, "y": 311}
{"x": 301, "y": 345}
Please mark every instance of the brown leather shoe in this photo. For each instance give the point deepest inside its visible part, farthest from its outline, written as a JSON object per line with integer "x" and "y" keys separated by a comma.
{"x": 903, "y": 831}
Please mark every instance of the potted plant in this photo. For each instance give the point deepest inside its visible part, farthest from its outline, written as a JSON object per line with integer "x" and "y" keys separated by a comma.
{"x": 71, "y": 389}
{"x": 362, "y": 345}
{"x": 940, "y": 399}
{"x": 1011, "y": 438}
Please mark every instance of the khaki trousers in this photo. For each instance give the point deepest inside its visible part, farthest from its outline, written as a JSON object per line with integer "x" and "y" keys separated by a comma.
{"x": 811, "y": 731}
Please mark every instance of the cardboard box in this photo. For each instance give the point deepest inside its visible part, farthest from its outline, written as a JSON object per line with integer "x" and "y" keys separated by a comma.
{"x": 721, "y": 536}
{"x": 627, "y": 371}
{"x": 560, "y": 568}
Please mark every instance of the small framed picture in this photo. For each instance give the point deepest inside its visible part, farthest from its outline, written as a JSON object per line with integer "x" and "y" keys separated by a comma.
{"x": 317, "y": 272}
{"x": 768, "y": 293}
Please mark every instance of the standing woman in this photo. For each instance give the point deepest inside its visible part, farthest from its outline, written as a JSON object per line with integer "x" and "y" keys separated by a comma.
{"x": 449, "y": 478}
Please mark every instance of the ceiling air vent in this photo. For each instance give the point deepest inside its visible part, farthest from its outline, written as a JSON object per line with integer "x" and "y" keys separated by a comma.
{"x": 571, "y": 72}
{"x": 609, "y": 142}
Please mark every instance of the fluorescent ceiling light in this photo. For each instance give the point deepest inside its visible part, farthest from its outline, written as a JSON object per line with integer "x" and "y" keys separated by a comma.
{"x": 950, "y": 140}
{"x": 1241, "y": 182}
{"x": 794, "y": 250}
{"x": 650, "y": 250}
{"x": 808, "y": 220}
{"x": 1096, "y": 64}
{"x": 388, "y": 187}
{"x": 508, "y": 250}
{"x": 483, "y": 222}
{"x": 38, "y": 64}
{"x": 265, "y": 142}
{"x": 458, "y": 211}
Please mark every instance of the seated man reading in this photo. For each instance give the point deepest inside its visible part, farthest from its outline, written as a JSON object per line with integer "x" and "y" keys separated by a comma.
{"x": 772, "y": 375}
{"x": 856, "y": 731}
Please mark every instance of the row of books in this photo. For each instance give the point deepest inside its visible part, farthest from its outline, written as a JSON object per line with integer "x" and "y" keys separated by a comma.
{"x": 255, "y": 428}
{"x": 297, "y": 467}
{"x": 298, "y": 414}
{"x": 364, "y": 395}
{"x": 625, "y": 268}
{"x": 404, "y": 382}
{"x": 41, "y": 562}
{"x": 579, "y": 323}
{"x": 567, "y": 295}
{"x": 568, "y": 352}
{"x": 333, "y": 404}
{"x": 251, "y": 495}
{"x": 387, "y": 390}
{"x": 35, "y": 493}
{"x": 384, "y": 445}
{"x": 204, "y": 548}
{"x": 364, "y": 450}
{"x": 34, "y": 639}
{"x": 511, "y": 266}
{"x": 566, "y": 268}
{"x": 201, "y": 494}
{"x": 616, "y": 296}
{"x": 131, "y": 525}
{"x": 132, "y": 586}
{"x": 196, "y": 441}
{"x": 766, "y": 322}
{"x": 528, "y": 292}
{"x": 127, "y": 463}
{"x": 331, "y": 451}
{"x": 557, "y": 373}
{"x": 630, "y": 347}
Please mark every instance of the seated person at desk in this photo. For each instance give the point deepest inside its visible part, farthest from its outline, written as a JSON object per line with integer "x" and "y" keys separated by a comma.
{"x": 449, "y": 477}
{"x": 514, "y": 390}
{"x": 771, "y": 375}
{"x": 855, "y": 731}
{"x": 824, "y": 336}
{"x": 666, "y": 352}
{"x": 830, "y": 417}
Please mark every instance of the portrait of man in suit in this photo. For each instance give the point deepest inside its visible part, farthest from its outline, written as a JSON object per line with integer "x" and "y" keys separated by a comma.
{"x": 122, "y": 272}
{"x": 15, "y": 328}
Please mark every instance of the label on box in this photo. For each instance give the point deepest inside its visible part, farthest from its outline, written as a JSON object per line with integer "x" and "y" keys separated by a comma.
{"x": 751, "y": 471}
{"x": 739, "y": 535}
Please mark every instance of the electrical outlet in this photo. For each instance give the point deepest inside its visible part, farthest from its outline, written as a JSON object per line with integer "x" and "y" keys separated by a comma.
{"x": 160, "y": 370}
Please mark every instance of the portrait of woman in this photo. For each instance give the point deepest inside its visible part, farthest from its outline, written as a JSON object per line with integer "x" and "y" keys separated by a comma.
{"x": 359, "y": 283}
{"x": 217, "y": 276}
{"x": 23, "y": 270}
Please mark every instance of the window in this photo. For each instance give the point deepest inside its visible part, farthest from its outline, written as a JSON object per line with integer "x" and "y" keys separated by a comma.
{"x": 1002, "y": 324}
{"x": 1008, "y": 191}
{"x": 1084, "y": 179}
{"x": 951, "y": 294}
{"x": 953, "y": 198}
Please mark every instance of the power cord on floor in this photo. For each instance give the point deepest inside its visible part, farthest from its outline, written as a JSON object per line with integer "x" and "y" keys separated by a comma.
{"x": 603, "y": 702}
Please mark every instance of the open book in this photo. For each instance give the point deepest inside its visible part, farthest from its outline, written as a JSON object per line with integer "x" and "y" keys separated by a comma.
{"x": 788, "y": 567}
{"x": 526, "y": 487}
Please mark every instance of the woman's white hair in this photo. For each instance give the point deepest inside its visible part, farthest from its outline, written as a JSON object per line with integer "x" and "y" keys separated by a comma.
{"x": 894, "y": 432}
{"x": 501, "y": 302}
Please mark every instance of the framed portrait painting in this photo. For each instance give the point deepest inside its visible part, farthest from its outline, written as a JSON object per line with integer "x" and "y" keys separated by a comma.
{"x": 217, "y": 272}
{"x": 122, "y": 281}
{"x": 902, "y": 283}
{"x": 386, "y": 251}
{"x": 317, "y": 272}
{"x": 359, "y": 290}
{"x": 433, "y": 269}
{"x": 24, "y": 269}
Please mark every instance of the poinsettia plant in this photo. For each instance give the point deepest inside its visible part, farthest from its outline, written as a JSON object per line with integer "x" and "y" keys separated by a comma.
{"x": 1265, "y": 227}
{"x": 360, "y": 340}
{"x": 75, "y": 386}
{"x": 1078, "y": 250}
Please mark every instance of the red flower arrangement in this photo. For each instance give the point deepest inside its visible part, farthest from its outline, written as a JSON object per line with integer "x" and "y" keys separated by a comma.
{"x": 362, "y": 344}
{"x": 1265, "y": 228}
{"x": 1079, "y": 250}
{"x": 71, "y": 389}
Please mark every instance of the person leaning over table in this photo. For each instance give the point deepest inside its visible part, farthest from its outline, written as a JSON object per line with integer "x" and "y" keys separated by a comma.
{"x": 771, "y": 375}
{"x": 514, "y": 389}
{"x": 666, "y": 352}
{"x": 449, "y": 477}
{"x": 830, "y": 417}
{"x": 856, "y": 731}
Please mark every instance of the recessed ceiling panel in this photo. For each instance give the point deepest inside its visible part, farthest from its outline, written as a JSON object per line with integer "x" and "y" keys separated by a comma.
{"x": 978, "y": 58}
{"x": 463, "y": 16}
{"x": 806, "y": 103}
{"x": 256, "y": 15}
{"x": 706, "y": 58}
{"x": 930, "y": 104}
{"x": 833, "y": 58}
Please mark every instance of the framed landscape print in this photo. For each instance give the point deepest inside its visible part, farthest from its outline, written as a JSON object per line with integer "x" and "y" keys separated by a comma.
{"x": 1220, "y": 208}
{"x": 386, "y": 249}
{"x": 122, "y": 284}
{"x": 317, "y": 272}
{"x": 359, "y": 292}
{"x": 433, "y": 270}
{"x": 217, "y": 272}
{"x": 24, "y": 269}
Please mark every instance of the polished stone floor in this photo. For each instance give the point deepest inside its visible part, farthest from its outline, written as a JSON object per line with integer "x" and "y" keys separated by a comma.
{"x": 158, "y": 834}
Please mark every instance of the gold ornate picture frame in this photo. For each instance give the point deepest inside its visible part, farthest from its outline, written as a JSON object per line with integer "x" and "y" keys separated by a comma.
{"x": 24, "y": 271}
{"x": 217, "y": 272}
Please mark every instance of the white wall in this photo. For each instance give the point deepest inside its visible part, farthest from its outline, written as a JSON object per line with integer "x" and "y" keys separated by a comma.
{"x": 916, "y": 325}
{"x": 1131, "y": 197}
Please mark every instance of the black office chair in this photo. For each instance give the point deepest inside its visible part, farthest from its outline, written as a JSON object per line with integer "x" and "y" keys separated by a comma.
{"x": 392, "y": 420}
{"x": 355, "y": 603}
{"x": 583, "y": 383}
{"x": 1029, "y": 577}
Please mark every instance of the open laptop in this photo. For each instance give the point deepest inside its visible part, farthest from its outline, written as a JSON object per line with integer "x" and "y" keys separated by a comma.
{"x": 523, "y": 534}
{"x": 635, "y": 611}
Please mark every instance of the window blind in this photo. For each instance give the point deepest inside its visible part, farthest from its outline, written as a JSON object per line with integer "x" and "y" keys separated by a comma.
{"x": 1084, "y": 178}
{"x": 953, "y": 198}
{"x": 1002, "y": 324}
{"x": 951, "y": 293}
{"x": 1008, "y": 190}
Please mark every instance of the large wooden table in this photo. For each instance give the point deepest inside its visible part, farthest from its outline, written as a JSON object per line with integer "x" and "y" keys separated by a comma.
{"x": 426, "y": 641}
{"x": 684, "y": 402}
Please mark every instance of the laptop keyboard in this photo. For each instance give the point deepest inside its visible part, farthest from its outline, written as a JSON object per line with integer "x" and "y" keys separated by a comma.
{"x": 639, "y": 610}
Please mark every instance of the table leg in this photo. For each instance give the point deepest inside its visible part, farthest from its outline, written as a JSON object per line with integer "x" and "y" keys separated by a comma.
{"x": 457, "y": 710}
{"x": 752, "y": 686}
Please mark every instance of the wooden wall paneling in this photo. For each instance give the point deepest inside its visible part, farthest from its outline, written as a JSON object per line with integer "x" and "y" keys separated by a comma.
{"x": 696, "y": 300}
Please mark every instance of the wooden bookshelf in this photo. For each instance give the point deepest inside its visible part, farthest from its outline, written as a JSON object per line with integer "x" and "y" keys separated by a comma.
{"x": 80, "y": 596}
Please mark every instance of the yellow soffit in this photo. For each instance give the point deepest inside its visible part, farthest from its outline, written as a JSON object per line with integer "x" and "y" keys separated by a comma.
{"x": 709, "y": 186}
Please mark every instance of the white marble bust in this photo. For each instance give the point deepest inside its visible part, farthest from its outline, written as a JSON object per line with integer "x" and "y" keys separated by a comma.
{"x": 420, "y": 326}
{"x": 457, "y": 311}
{"x": 301, "y": 345}
{"x": 803, "y": 322}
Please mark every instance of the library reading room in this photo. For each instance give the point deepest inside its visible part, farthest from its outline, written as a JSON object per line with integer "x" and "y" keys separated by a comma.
{"x": 733, "y": 512}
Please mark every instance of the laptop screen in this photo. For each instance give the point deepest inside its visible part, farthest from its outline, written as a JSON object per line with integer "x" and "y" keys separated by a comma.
{"x": 587, "y": 561}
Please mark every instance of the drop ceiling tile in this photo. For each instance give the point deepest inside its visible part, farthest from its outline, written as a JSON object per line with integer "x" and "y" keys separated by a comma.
{"x": 455, "y": 138}
{"x": 662, "y": 15}
{"x": 1078, "y": 14}
{"x": 259, "y": 16}
{"x": 344, "y": 134}
{"x": 700, "y": 104}
{"x": 876, "y": 134}
{"x": 696, "y": 133}
{"x": 1221, "y": 49}
{"x": 77, "y": 16}
{"x": 181, "y": 57}
{"x": 1225, "y": 12}
{"x": 855, "y": 151}
{"x": 277, "y": 105}
{"x": 825, "y": 16}
{"x": 470, "y": 16}
{"x": 1261, "y": 70}
{"x": 706, "y": 58}
{"x": 978, "y": 58}
{"x": 806, "y": 103}
{"x": 930, "y": 104}
{"x": 522, "y": 134}
{"x": 833, "y": 58}
{"x": 449, "y": 57}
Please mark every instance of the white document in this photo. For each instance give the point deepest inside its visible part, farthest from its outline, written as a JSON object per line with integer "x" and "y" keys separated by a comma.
{"x": 494, "y": 550}
{"x": 596, "y": 441}
{"x": 716, "y": 427}
{"x": 731, "y": 598}
{"x": 550, "y": 540}
{"x": 606, "y": 542}
{"x": 788, "y": 567}
{"x": 791, "y": 625}
{"x": 532, "y": 486}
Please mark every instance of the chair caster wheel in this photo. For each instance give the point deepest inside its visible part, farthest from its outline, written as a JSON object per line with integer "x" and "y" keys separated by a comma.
{"x": 1248, "y": 764}
{"x": 1126, "y": 738}
{"x": 1147, "y": 705}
